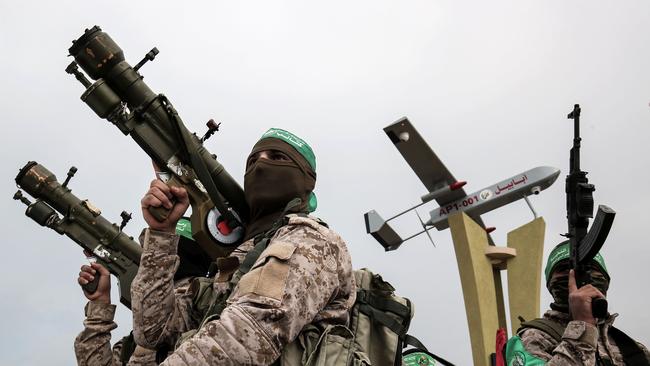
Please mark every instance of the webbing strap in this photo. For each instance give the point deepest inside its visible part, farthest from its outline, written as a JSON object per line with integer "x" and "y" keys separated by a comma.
{"x": 251, "y": 258}
{"x": 220, "y": 301}
{"x": 632, "y": 353}
{"x": 384, "y": 319}
{"x": 318, "y": 220}
{"x": 383, "y": 303}
{"x": 551, "y": 328}
{"x": 189, "y": 148}
{"x": 410, "y": 340}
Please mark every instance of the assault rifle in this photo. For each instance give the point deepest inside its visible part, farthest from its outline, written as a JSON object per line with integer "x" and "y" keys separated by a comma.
{"x": 81, "y": 222}
{"x": 585, "y": 243}
{"x": 119, "y": 94}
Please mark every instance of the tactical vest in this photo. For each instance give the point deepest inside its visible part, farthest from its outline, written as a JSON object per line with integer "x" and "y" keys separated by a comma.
{"x": 630, "y": 350}
{"x": 379, "y": 320}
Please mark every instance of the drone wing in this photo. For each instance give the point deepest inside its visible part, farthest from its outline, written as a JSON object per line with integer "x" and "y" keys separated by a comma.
{"x": 422, "y": 160}
{"x": 425, "y": 163}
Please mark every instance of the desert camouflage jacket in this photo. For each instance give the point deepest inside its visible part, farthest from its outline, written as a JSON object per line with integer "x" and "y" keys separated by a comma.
{"x": 582, "y": 344}
{"x": 303, "y": 277}
{"x": 92, "y": 346}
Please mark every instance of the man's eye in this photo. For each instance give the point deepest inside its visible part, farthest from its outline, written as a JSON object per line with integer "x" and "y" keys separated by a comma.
{"x": 279, "y": 156}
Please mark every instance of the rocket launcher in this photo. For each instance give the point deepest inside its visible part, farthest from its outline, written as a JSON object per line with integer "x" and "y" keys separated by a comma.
{"x": 120, "y": 95}
{"x": 82, "y": 222}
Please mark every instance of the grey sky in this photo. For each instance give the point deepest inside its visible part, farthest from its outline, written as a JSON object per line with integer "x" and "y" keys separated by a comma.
{"x": 488, "y": 85}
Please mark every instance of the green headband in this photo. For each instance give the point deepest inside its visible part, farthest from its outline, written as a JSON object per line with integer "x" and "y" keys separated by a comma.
{"x": 296, "y": 142}
{"x": 563, "y": 252}
{"x": 302, "y": 148}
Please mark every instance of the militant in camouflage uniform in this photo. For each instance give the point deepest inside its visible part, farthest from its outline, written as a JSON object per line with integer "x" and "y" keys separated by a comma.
{"x": 303, "y": 277}
{"x": 92, "y": 346}
{"x": 558, "y": 339}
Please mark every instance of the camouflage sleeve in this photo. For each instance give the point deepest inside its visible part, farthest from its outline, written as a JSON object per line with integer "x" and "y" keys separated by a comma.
{"x": 296, "y": 281}
{"x": 161, "y": 311}
{"x": 535, "y": 347}
{"x": 93, "y": 345}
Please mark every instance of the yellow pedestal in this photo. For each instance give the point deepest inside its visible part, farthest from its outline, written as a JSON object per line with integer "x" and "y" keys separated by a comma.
{"x": 477, "y": 280}
{"x": 479, "y": 265}
{"x": 525, "y": 271}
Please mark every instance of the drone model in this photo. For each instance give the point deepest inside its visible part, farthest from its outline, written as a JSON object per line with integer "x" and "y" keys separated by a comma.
{"x": 448, "y": 191}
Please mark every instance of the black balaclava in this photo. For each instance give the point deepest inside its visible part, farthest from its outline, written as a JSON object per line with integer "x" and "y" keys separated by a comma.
{"x": 558, "y": 286}
{"x": 269, "y": 185}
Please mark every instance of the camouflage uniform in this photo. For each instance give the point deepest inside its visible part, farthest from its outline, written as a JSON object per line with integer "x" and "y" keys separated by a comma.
{"x": 579, "y": 345}
{"x": 303, "y": 277}
{"x": 93, "y": 345}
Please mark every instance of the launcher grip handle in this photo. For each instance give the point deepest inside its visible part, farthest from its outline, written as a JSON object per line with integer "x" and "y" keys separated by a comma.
{"x": 161, "y": 213}
{"x": 91, "y": 286}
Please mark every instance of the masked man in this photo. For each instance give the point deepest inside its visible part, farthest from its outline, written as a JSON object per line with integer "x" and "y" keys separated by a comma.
{"x": 568, "y": 334}
{"x": 291, "y": 271}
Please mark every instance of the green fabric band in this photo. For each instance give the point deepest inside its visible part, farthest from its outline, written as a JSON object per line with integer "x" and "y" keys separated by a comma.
{"x": 184, "y": 228}
{"x": 312, "y": 202}
{"x": 418, "y": 359}
{"x": 563, "y": 252}
{"x": 296, "y": 142}
{"x": 517, "y": 355}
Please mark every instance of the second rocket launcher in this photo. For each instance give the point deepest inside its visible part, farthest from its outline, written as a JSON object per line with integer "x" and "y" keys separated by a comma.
{"x": 81, "y": 222}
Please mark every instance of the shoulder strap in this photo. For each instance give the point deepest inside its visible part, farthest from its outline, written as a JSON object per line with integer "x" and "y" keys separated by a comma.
{"x": 219, "y": 302}
{"x": 632, "y": 353}
{"x": 317, "y": 219}
{"x": 550, "y": 327}
{"x": 375, "y": 308}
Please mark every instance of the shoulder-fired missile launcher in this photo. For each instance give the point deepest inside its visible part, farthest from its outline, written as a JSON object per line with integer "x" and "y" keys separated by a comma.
{"x": 120, "y": 95}
{"x": 82, "y": 222}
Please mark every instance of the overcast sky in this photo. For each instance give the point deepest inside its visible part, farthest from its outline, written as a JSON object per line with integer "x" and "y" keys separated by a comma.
{"x": 487, "y": 83}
